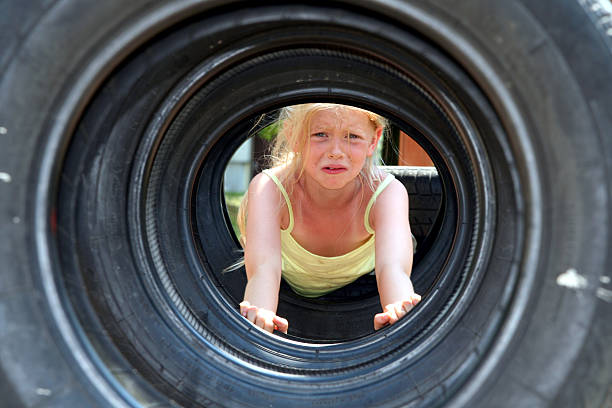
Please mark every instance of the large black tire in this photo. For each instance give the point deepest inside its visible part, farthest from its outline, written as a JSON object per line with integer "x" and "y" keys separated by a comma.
{"x": 116, "y": 122}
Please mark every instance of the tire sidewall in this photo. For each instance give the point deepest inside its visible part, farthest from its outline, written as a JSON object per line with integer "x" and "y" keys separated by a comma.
{"x": 561, "y": 134}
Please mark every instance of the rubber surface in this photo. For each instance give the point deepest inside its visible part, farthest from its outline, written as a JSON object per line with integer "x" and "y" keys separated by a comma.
{"x": 111, "y": 246}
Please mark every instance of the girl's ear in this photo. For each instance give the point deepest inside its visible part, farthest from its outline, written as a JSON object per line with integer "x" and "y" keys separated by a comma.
{"x": 375, "y": 139}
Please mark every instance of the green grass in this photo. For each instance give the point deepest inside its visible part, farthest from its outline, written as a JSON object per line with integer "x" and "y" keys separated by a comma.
{"x": 232, "y": 201}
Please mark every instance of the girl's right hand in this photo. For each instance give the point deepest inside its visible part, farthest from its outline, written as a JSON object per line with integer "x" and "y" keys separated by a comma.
{"x": 266, "y": 319}
{"x": 395, "y": 311}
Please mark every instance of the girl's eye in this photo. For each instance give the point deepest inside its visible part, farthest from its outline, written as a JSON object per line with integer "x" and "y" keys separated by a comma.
{"x": 354, "y": 136}
{"x": 320, "y": 134}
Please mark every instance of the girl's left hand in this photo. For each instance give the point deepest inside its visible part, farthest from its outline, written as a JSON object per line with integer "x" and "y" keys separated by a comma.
{"x": 395, "y": 311}
{"x": 266, "y": 319}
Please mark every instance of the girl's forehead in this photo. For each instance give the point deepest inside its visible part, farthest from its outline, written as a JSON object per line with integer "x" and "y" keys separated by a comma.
{"x": 341, "y": 117}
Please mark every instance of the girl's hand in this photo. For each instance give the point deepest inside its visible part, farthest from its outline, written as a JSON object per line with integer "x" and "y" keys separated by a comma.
{"x": 395, "y": 311}
{"x": 266, "y": 319}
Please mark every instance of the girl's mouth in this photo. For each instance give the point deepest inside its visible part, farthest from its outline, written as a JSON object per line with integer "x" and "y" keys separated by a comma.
{"x": 333, "y": 170}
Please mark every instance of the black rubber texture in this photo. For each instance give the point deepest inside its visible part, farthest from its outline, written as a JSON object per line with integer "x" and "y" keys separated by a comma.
{"x": 424, "y": 189}
{"x": 512, "y": 99}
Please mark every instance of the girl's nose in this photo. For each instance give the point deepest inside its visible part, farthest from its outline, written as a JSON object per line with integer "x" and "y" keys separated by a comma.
{"x": 335, "y": 150}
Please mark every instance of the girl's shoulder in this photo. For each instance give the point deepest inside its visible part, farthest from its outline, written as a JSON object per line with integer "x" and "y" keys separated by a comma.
{"x": 388, "y": 202}
{"x": 262, "y": 184}
{"x": 272, "y": 176}
{"x": 279, "y": 171}
{"x": 271, "y": 192}
{"x": 271, "y": 183}
{"x": 380, "y": 176}
{"x": 392, "y": 187}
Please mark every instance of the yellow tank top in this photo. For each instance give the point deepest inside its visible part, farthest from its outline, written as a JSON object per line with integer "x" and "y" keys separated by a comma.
{"x": 312, "y": 275}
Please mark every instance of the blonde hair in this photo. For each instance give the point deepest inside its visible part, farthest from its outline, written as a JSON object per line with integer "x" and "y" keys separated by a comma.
{"x": 291, "y": 146}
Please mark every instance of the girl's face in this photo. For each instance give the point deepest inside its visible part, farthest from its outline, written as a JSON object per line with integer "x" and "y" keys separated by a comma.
{"x": 340, "y": 140}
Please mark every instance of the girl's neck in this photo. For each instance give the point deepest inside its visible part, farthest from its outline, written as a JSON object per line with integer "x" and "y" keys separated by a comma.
{"x": 330, "y": 199}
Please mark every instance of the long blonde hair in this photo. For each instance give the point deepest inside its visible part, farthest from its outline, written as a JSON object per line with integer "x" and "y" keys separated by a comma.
{"x": 291, "y": 146}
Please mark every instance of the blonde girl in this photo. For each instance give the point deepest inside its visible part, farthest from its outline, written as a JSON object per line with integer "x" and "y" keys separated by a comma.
{"x": 323, "y": 215}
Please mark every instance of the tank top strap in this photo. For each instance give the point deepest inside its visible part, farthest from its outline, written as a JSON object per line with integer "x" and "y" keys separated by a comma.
{"x": 381, "y": 187}
{"x": 280, "y": 186}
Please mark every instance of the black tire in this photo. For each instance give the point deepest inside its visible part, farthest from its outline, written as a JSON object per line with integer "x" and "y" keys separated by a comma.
{"x": 426, "y": 198}
{"x": 117, "y": 119}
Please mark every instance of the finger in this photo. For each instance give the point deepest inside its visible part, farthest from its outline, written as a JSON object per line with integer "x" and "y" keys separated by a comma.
{"x": 399, "y": 311}
{"x": 282, "y": 325}
{"x": 259, "y": 321}
{"x": 392, "y": 312}
{"x": 244, "y": 305}
{"x": 251, "y": 313}
{"x": 381, "y": 320}
{"x": 266, "y": 322}
{"x": 416, "y": 298}
{"x": 263, "y": 318}
{"x": 406, "y": 306}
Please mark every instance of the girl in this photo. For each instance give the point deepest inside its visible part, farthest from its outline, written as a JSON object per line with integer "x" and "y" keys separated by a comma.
{"x": 313, "y": 217}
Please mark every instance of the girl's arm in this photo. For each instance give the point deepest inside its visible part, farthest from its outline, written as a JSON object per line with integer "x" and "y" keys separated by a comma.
{"x": 393, "y": 255}
{"x": 262, "y": 255}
